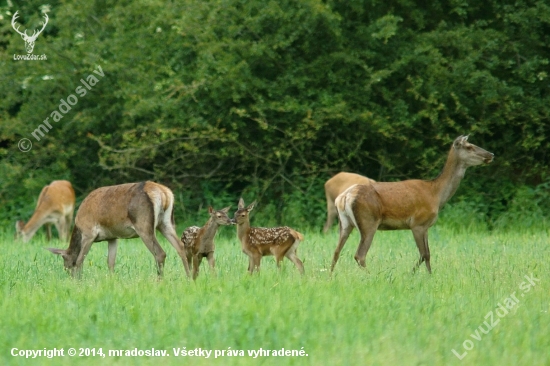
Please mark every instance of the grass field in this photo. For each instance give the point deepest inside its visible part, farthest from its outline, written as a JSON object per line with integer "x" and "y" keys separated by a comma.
{"x": 383, "y": 316}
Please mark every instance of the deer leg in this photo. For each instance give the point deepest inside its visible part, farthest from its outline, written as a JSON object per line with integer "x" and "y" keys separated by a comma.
{"x": 211, "y": 262}
{"x": 421, "y": 239}
{"x": 68, "y": 220}
{"x": 256, "y": 259}
{"x": 250, "y": 264}
{"x": 60, "y": 226}
{"x": 278, "y": 254}
{"x": 345, "y": 230}
{"x": 189, "y": 255}
{"x": 111, "y": 254}
{"x": 154, "y": 247}
{"x": 367, "y": 234}
{"x": 170, "y": 234}
{"x": 331, "y": 215}
{"x": 144, "y": 228}
{"x": 197, "y": 259}
{"x": 291, "y": 255}
{"x": 66, "y": 225}
{"x": 144, "y": 225}
{"x": 257, "y": 262}
{"x": 49, "y": 231}
{"x": 427, "y": 253}
{"x": 278, "y": 261}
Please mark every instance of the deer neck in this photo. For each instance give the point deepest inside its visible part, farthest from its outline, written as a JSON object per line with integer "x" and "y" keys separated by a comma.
{"x": 35, "y": 222}
{"x": 448, "y": 181}
{"x": 210, "y": 229}
{"x": 243, "y": 230}
{"x": 75, "y": 245}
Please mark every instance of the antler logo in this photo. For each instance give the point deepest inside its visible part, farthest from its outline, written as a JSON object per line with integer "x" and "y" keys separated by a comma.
{"x": 29, "y": 40}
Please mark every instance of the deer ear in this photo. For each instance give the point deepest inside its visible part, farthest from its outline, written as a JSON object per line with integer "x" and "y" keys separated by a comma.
{"x": 251, "y": 206}
{"x": 61, "y": 252}
{"x": 241, "y": 203}
{"x": 226, "y": 209}
{"x": 459, "y": 141}
{"x": 210, "y": 209}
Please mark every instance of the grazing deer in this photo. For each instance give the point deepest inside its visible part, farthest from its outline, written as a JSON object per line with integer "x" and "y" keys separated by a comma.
{"x": 336, "y": 185}
{"x": 408, "y": 205}
{"x": 199, "y": 241}
{"x": 122, "y": 212}
{"x": 55, "y": 206}
{"x": 257, "y": 242}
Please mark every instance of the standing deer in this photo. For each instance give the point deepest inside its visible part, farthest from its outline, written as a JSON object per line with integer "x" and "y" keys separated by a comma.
{"x": 336, "y": 185}
{"x": 199, "y": 241}
{"x": 408, "y": 205}
{"x": 122, "y": 212}
{"x": 55, "y": 206}
{"x": 257, "y": 242}
{"x": 29, "y": 40}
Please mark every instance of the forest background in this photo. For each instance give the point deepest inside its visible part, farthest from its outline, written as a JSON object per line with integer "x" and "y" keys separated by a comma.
{"x": 268, "y": 99}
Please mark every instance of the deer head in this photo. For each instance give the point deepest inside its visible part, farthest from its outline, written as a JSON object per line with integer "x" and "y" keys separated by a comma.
{"x": 471, "y": 154}
{"x": 220, "y": 216}
{"x": 241, "y": 215}
{"x": 29, "y": 40}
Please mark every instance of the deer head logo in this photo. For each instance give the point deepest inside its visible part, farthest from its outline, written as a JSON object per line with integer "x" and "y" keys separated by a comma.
{"x": 29, "y": 40}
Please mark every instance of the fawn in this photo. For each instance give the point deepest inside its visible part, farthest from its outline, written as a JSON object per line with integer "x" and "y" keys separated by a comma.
{"x": 257, "y": 242}
{"x": 199, "y": 241}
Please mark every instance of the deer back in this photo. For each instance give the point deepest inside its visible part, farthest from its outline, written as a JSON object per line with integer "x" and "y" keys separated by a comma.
{"x": 189, "y": 236}
{"x": 111, "y": 212}
{"x": 342, "y": 181}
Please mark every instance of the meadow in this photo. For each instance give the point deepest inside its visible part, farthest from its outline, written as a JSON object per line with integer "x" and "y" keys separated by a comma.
{"x": 385, "y": 315}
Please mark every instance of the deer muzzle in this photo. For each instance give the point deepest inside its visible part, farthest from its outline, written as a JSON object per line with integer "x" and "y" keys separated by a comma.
{"x": 489, "y": 158}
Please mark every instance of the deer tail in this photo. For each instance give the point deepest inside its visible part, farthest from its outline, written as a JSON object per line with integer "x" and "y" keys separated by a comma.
{"x": 344, "y": 206}
{"x": 298, "y": 236}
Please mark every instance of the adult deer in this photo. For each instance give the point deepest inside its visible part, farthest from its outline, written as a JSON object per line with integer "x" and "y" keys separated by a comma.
{"x": 29, "y": 40}
{"x": 408, "y": 205}
{"x": 199, "y": 241}
{"x": 121, "y": 212}
{"x": 336, "y": 185}
{"x": 55, "y": 206}
{"x": 257, "y": 242}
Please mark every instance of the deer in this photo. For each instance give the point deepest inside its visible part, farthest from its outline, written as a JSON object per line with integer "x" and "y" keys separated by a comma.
{"x": 199, "y": 241}
{"x": 55, "y": 206}
{"x": 406, "y": 205}
{"x": 257, "y": 242}
{"x": 336, "y": 185}
{"x": 123, "y": 211}
{"x": 29, "y": 40}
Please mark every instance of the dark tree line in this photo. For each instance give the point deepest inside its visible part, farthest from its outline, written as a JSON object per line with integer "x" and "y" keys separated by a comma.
{"x": 223, "y": 98}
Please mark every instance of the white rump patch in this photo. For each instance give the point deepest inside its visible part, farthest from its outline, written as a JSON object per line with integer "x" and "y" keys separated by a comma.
{"x": 343, "y": 206}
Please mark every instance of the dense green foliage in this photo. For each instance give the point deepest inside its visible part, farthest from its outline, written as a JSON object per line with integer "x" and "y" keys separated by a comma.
{"x": 382, "y": 316}
{"x": 222, "y": 98}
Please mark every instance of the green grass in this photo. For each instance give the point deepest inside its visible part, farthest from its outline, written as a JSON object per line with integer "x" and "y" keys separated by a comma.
{"x": 382, "y": 316}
